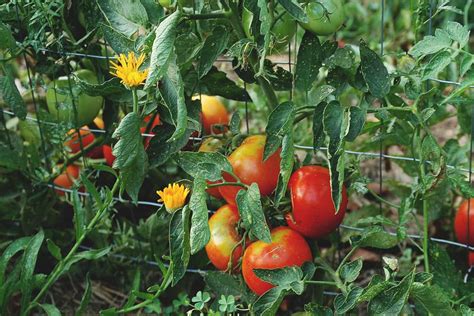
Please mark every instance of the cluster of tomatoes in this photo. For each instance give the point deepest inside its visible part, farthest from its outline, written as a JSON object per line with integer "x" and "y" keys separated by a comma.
{"x": 312, "y": 216}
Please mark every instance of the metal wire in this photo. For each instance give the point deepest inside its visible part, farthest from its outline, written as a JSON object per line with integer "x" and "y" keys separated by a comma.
{"x": 303, "y": 147}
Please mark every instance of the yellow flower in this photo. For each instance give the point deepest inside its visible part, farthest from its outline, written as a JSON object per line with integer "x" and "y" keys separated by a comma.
{"x": 127, "y": 69}
{"x": 174, "y": 196}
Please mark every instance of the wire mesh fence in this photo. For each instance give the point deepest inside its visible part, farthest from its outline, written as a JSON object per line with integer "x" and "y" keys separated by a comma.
{"x": 381, "y": 155}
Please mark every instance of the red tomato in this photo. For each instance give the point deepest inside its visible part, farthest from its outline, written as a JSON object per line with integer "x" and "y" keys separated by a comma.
{"x": 63, "y": 181}
{"x": 464, "y": 223}
{"x": 313, "y": 213}
{"x": 471, "y": 258}
{"x": 75, "y": 144}
{"x": 109, "y": 157}
{"x": 224, "y": 237}
{"x": 73, "y": 171}
{"x": 288, "y": 248}
{"x": 210, "y": 145}
{"x": 143, "y": 129}
{"x": 213, "y": 113}
{"x": 248, "y": 165}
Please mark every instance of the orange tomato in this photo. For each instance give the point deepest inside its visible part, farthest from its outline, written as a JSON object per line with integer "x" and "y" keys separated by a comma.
{"x": 84, "y": 136}
{"x": 248, "y": 165}
{"x": 224, "y": 237}
{"x": 213, "y": 113}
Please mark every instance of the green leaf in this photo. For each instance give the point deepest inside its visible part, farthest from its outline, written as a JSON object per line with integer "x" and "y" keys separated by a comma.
{"x": 392, "y": 301}
{"x": 342, "y": 57}
{"x": 120, "y": 43}
{"x": 132, "y": 296}
{"x": 162, "y": 48}
{"x": 375, "y": 74}
{"x": 213, "y": 47}
{"x": 309, "y": 61}
{"x": 251, "y": 213}
{"x": 54, "y": 250}
{"x": 431, "y": 299}
{"x": 288, "y": 278}
{"x": 264, "y": 17}
{"x": 335, "y": 125}
{"x": 226, "y": 284}
{"x": 336, "y": 171}
{"x": 86, "y": 297}
{"x": 268, "y": 303}
{"x": 430, "y": 45}
{"x": 203, "y": 165}
{"x": 318, "y": 128}
{"x": 172, "y": 91}
{"x": 11, "y": 96}
{"x": 200, "y": 232}
{"x": 375, "y": 237}
{"x": 12, "y": 249}
{"x": 437, "y": 64}
{"x": 235, "y": 122}
{"x": 345, "y": 302}
{"x": 357, "y": 121}
{"x": 466, "y": 64}
{"x": 445, "y": 273}
{"x": 125, "y": 16}
{"x": 187, "y": 46}
{"x": 79, "y": 215}
{"x": 8, "y": 41}
{"x": 109, "y": 87}
{"x": 286, "y": 166}
{"x": 50, "y": 310}
{"x": 458, "y": 33}
{"x": 160, "y": 150}
{"x": 28, "y": 263}
{"x": 215, "y": 82}
{"x": 130, "y": 156}
{"x": 179, "y": 243}
{"x": 376, "y": 286}
{"x": 279, "y": 123}
{"x": 294, "y": 9}
{"x": 154, "y": 11}
{"x": 351, "y": 270}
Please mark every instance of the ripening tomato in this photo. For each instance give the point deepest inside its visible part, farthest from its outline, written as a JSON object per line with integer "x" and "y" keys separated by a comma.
{"x": 210, "y": 145}
{"x": 325, "y": 16}
{"x": 313, "y": 213}
{"x": 288, "y": 248}
{"x": 99, "y": 122}
{"x": 66, "y": 179}
{"x": 143, "y": 129}
{"x": 464, "y": 223}
{"x": 248, "y": 165}
{"x": 85, "y": 136}
{"x": 60, "y": 103}
{"x": 109, "y": 157}
{"x": 224, "y": 237}
{"x": 213, "y": 113}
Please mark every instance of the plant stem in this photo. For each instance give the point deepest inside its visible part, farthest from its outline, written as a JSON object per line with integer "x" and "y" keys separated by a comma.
{"x": 381, "y": 199}
{"x": 237, "y": 184}
{"x": 208, "y": 16}
{"x": 163, "y": 286}
{"x": 135, "y": 100}
{"x": 58, "y": 269}
{"x": 321, "y": 282}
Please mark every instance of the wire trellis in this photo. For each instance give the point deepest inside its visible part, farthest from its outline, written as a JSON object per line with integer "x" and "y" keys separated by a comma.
{"x": 380, "y": 155}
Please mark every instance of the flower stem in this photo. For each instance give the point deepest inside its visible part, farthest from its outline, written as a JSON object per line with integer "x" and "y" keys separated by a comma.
{"x": 135, "y": 100}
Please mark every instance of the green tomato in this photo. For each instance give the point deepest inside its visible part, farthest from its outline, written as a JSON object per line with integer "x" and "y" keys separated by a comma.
{"x": 325, "y": 16}
{"x": 29, "y": 130}
{"x": 166, "y": 3}
{"x": 60, "y": 103}
{"x": 284, "y": 28}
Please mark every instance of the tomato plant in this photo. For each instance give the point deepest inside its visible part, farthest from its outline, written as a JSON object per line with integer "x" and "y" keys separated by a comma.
{"x": 312, "y": 209}
{"x": 299, "y": 157}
